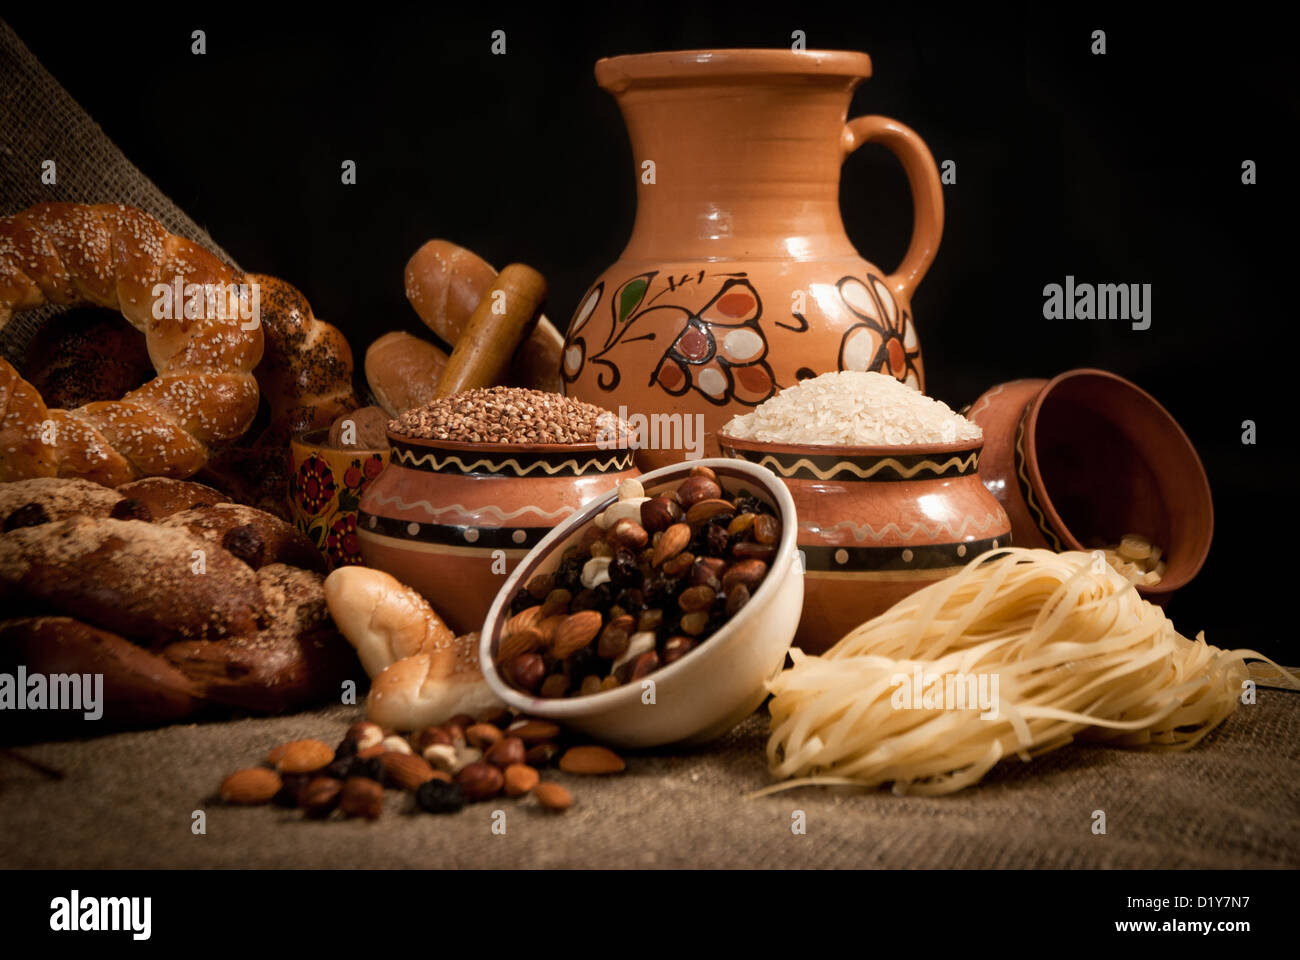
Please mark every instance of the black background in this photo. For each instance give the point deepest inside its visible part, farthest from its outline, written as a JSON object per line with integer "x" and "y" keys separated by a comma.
{"x": 1123, "y": 168}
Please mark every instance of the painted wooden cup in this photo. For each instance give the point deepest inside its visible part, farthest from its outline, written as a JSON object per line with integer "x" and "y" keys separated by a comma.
{"x": 453, "y": 519}
{"x": 1082, "y": 459}
{"x": 877, "y": 524}
{"x": 326, "y": 485}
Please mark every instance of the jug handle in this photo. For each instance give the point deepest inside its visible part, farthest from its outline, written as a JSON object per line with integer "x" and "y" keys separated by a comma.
{"x": 927, "y": 193}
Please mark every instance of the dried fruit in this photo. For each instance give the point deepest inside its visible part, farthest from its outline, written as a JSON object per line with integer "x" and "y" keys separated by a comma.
{"x": 696, "y": 598}
{"x": 362, "y": 797}
{"x": 405, "y": 771}
{"x": 480, "y": 781}
{"x": 439, "y": 796}
{"x": 552, "y": 796}
{"x": 767, "y": 529}
{"x": 554, "y": 686}
{"x": 251, "y": 786}
{"x": 737, "y": 597}
{"x": 695, "y": 623}
{"x": 520, "y": 779}
{"x": 302, "y": 756}
{"x": 748, "y": 572}
{"x": 591, "y": 760}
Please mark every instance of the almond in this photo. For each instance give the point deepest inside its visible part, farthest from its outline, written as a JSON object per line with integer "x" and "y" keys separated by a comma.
{"x": 517, "y": 643}
{"x": 552, "y": 796}
{"x": 520, "y": 779}
{"x": 548, "y": 627}
{"x": 533, "y": 732}
{"x": 591, "y": 760}
{"x": 708, "y": 509}
{"x": 576, "y": 632}
{"x": 405, "y": 771}
{"x": 524, "y": 619}
{"x": 254, "y": 785}
{"x": 671, "y": 542}
{"x": 302, "y": 756}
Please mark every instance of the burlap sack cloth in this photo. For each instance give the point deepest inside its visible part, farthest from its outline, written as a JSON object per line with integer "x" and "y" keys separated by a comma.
{"x": 128, "y": 799}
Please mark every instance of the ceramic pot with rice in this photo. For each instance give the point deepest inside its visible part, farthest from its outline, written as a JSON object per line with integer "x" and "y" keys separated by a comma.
{"x": 877, "y": 520}
{"x": 452, "y": 515}
{"x": 1088, "y": 460}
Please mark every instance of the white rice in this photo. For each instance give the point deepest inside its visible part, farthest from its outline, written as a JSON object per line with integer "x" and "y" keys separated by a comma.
{"x": 852, "y": 408}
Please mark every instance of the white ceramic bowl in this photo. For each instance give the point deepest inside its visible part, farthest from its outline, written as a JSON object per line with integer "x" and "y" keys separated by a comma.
{"x": 712, "y": 688}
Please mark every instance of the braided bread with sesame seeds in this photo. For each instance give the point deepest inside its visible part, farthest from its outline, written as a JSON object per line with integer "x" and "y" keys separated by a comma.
{"x": 115, "y": 256}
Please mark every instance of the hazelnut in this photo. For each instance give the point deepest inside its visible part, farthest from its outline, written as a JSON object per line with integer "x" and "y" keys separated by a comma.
{"x": 707, "y": 571}
{"x": 629, "y": 534}
{"x": 645, "y": 664}
{"x": 506, "y": 751}
{"x": 541, "y": 754}
{"x": 659, "y": 513}
{"x": 482, "y": 735}
{"x": 364, "y": 735}
{"x": 526, "y": 671}
{"x": 480, "y": 781}
{"x": 677, "y": 647}
{"x": 362, "y": 797}
{"x": 320, "y": 796}
{"x": 697, "y": 488}
{"x": 428, "y": 737}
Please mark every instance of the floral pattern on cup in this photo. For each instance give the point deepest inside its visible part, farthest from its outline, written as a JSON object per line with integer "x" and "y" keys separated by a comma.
{"x": 325, "y": 489}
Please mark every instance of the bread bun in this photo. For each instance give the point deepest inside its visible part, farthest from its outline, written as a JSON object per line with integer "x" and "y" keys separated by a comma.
{"x": 424, "y": 690}
{"x": 384, "y": 619}
{"x": 403, "y": 371}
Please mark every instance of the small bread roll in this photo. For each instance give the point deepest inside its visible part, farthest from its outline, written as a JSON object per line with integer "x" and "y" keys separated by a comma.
{"x": 369, "y": 430}
{"x": 424, "y": 690}
{"x": 403, "y": 371}
{"x": 385, "y": 620}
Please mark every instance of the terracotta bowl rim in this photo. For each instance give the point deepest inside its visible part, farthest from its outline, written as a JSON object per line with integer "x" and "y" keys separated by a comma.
{"x": 613, "y": 73}
{"x": 1200, "y": 479}
{"x": 835, "y": 450}
{"x": 594, "y": 446}
{"x": 629, "y": 695}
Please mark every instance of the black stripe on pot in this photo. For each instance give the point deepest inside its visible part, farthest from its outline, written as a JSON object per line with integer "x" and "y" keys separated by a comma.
{"x": 1027, "y": 491}
{"x": 913, "y": 466}
{"x": 452, "y": 535}
{"x": 560, "y": 464}
{"x": 919, "y": 557}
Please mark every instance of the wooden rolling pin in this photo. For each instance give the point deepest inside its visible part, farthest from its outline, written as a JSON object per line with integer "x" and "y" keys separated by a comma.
{"x": 495, "y": 329}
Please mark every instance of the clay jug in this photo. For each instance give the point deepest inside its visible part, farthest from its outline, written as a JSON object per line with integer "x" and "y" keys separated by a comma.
{"x": 739, "y": 279}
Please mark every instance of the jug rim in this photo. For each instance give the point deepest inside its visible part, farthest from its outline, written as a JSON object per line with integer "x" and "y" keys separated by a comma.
{"x": 616, "y": 73}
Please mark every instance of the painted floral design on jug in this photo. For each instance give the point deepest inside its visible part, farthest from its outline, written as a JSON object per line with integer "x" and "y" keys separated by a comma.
{"x": 718, "y": 351}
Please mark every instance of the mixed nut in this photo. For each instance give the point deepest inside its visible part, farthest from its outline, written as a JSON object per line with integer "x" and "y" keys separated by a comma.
{"x": 465, "y": 760}
{"x": 647, "y": 582}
